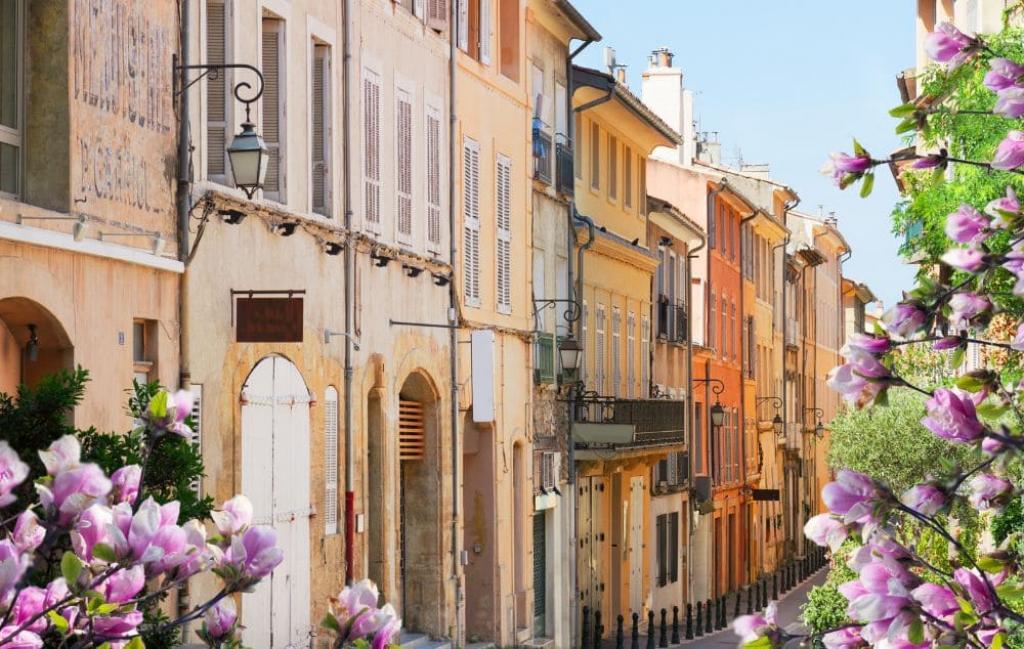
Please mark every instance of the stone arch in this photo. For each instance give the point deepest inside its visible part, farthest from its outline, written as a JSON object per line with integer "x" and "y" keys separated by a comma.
{"x": 33, "y": 343}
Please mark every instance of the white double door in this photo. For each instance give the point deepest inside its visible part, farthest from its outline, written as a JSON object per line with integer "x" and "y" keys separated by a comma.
{"x": 275, "y": 476}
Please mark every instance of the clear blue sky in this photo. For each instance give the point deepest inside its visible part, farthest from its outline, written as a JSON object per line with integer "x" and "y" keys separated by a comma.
{"x": 786, "y": 82}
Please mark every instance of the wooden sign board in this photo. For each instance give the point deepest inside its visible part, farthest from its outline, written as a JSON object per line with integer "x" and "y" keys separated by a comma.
{"x": 766, "y": 494}
{"x": 268, "y": 320}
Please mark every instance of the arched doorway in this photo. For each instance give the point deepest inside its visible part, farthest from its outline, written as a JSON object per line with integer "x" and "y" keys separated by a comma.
{"x": 275, "y": 462}
{"x": 33, "y": 343}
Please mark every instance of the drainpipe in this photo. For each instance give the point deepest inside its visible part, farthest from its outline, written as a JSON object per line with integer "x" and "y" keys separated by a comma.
{"x": 346, "y": 174}
{"x": 691, "y": 254}
{"x": 453, "y": 333}
{"x": 785, "y": 327}
{"x": 744, "y": 353}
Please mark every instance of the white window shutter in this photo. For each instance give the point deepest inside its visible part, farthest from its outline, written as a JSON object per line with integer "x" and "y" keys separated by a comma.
{"x": 471, "y": 222}
{"x": 271, "y": 59}
{"x": 321, "y": 125}
{"x": 216, "y": 93}
{"x": 419, "y": 9}
{"x": 485, "y": 31}
{"x": 197, "y": 429}
{"x": 645, "y": 354}
{"x": 599, "y": 350}
{"x": 330, "y": 460}
{"x": 463, "y": 40}
{"x": 437, "y": 15}
{"x": 631, "y": 354}
{"x": 403, "y": 166}
{"x": 584, "y": 327}
{"x": 371, "y": 150}
{"x": 433, "y": 148}
{"x": 616, "y": 351}
{"x": 503, "y": 218}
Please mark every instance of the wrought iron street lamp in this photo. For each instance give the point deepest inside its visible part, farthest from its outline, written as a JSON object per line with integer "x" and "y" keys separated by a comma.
{"x": 778, "y": 425}
{"x": 717, "y": 415}
{"x": 717, "y": 411}
{"x": 819, "y": 429}
{"x": 570, "y": 352}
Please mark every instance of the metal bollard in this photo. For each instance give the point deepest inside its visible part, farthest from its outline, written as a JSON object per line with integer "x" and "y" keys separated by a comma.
{"x": 689, "y": 620}
{"x": 675, "y": 625}
{"x": 736, "y": 609}
{"x": 619, "y": 635}
{"x": 700, "y": 619}
{"x": 598, "y": 630}
{"x": 650, "y": 630}
{"x": 635, "y": 635}
{"x": 750, "y": 599}
{"x": 775, "y": 586}
{"x": 663, "y": 638}
{"x": 709, "y": 624}
{"x": 724, "y": 611}
{"x": 764, "y": 593}
{"x": 585, "y": 631}
{"x": 718, "y": 614}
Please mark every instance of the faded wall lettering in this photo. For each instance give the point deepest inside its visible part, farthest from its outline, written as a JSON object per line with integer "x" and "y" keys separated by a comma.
{"x": 112, "y": 169}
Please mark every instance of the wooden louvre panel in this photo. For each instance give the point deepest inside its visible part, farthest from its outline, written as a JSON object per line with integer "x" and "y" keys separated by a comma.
{"x": 485, "y": 31}
{"x": 437, "y": 15}
{"x": 403, "y": 173}
{"x": 411, "y": 431}
{"x": 616, "y": 350}
{"x": 272, "y": 104}
{"x": 197, "y": 429}
{"x": 371, "y": 147}
{"x": 645, "y": 354}
{"x": 433, "y": 177}
{"x": 631, "y": 354}
{"x": 503, "y": 216}
{"x": 331, "y": 460}
{"x": 471, "y": 222}
{"x": 318, "y": 148}
{"x": 216, "y": 91}
{"x": 599, "y": 351}
{"x": 463, "y": 26}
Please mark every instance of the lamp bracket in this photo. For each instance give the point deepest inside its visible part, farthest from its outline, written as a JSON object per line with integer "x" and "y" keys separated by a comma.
{"x": 571, "y": 314}
{"x": 717, "y": 386}
{"x": 213, "y": 71}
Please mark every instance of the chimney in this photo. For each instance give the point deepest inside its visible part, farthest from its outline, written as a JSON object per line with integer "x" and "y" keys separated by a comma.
{"x": 709, "y": 149}
{"x": 756, "y": 170}
{"x": 832, "y": 220}
{"x": 620, "y": 74}
{"x": 662, "y": 90}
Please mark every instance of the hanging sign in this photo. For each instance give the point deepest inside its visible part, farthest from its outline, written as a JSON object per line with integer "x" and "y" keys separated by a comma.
{"x": 268, "y": 320}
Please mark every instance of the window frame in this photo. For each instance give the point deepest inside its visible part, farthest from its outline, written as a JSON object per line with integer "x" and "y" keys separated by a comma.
{"x": 321, "y": 49}
{"x": 15, "y": 137}
{"x": 279, "y": 28}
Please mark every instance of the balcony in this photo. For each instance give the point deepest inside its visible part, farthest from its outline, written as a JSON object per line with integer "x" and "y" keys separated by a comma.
{"x": 605, "y": 424}
{"x": 544, "y": 359}
{"x": 542, "y": 152}
{"x": 681, "y": 324}
{"x": 564, "y": 166}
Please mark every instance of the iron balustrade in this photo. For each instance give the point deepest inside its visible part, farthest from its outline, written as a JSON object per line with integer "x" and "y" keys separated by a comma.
{"x": 542, "y": 152}
{"x": 655, "y": 422}
{"x": 564, "y": 181}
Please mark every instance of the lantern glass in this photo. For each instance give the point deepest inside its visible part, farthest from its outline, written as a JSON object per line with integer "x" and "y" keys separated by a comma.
{"x": 248, "y": 154}
{"x": 778, "y": 426}
{"x": 819, "y": 430}
{"x": 717, "y": 415}
{"x": 569, "y": 353}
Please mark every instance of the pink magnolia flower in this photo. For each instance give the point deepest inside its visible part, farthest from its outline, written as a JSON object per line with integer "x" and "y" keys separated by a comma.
{"x": 1018, "y": 339}
{"x": 359, "y": 596}
{"x": 970, "y": 260}
{"x": 925, "y": 499}
{"x": 12, "y": 567}
{"x": 62, "y": 455}
{"x": 126, "y": 484}
{"x": 12, "y": 473}
{"x": 220, "y": 620}
{"x": 949, "y": 45}
{"x": 91, "y": 528}
{"x": 976, "y": 589}
{"x": 198, "y": 555}
{"x": 234, "y": 517}
{"x": 752, "y": 627}
{"x": 946, "y": 343}
{"x": 966, "y": 225}
{"x": 370, "y": 621}
{"x": 988, "y": 491}
{"x": 965, "y": 307}
{"x": 73, "y": 490}
{"x": 928, "y": 162}
{"x": 124, "y": 584}
{"x": 876, "y": 550}
{"x": 30, "y": 602}
{"x": 14, "y": 639}
{"x": 28, "y": 533}
{"x": 825, "y": 530}
{"x": 1010, "y": 103}
{"x": 387, "y": 635}
{"x": 845, "y": 638}
{"x": 1010, "y": 152}
{"x": 844, "y": 168}
{"x": 117, "y": 626}
{"x": 936, "y": 600}
{"x": 904, "y": 319}
{"x": 867, "y": 343}
{"x": 254, "y": 552}
{"x": 1004, "y": 209}
{"x": 951, "y": 415}
{"x": 1002, "y": 74}
{"x": 849, "y": 490}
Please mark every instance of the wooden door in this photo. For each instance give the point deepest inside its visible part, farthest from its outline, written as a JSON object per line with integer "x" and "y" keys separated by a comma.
{"x": 636, "y": 544}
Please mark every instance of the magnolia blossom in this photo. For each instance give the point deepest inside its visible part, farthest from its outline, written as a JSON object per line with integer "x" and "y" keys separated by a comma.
{"x": 936, "y": 600}
{"x": 220, "y": 619}
{"x": 167, "y": 413}
{"x": 14, "y": 639}
{"x": 952, "y": 416}
{"x": 1004, "y": 209}
{"x": 117, "y": 626}
{"x": 966, "y": 225}
{"x": 12, "y": 473}
{"x": 28, "y": 533}
{"x": 925, "y": 499}
{"x": 1018, "y": 339}
{"x": 825, "y": 530}
{"x": 904, "y": 319}
{"x": 976, "y": 589}
{"x": 1010, "y": 103}
{"x": 970, "y": 260}
{"x": 234, "y": 516}
{"x": 880, "y": 599}
{"x": 949, "y": 45}
{"x": 860, "y": 379}
{"x": 124, "y": 584}
{"x": 988, "y": 491}
{"x": 947, "y": 342}
{"x": 62, "y": 455}
{"x": 866, "y": 342}
{"x": 253, "y": 553}
{"x": 752, "y": 627}
{"x": 845, "y": 638}
{"x": 1003, "y": 74}
{"x": 12, "y": 567}
{"x": 851, "y": 496}
{"x": 928, "y": 161}
{"x": 876, "y": 549}
{"x": 126, "y": 484}
{"x": 387, "y": 634}
{"x": 1010, "y": 152}
{"x": 965, "y": 307}
{"x": 843, "y": 167}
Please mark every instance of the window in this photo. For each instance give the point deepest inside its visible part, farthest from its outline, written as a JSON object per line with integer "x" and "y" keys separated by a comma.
{"x": 331, "y": 460}
{"x": 403, "y": 165}
{"x": 11, "y": 51}
{"x": 613, "y": 167}
{"x": 733, "y": 331}
{"x": 437, "y": 15}
{"x": 144, "y": 352}
{"x": 712, "y": 323}
{"x": 371, "y": 150}
{"x": 471, "y": 221}
{"x": 712, "y": 229}
{"x": 503, "y": 217}
{"x": 668, "y": 548}
{"x": 726, "y": 341}
{"x": 699, "y": 467}
{"x": 474, "y": 37}
{"x": 584, "y": 326}
{"x": 723, "y": 227}
{"x": 627, "y": 178}
{"x": 216, "y": 93}
{"x": 595, "y": 156}
{"x": 599, "y": 350}
{"x": 197, "y": 429}
{"x": 273, "y": 114}
{"x": 631, "y": 354}
{"x": 433, "y": 148}
{"x": 645, "y": 355}
{"x": 508, "y": 38}
{"x": 561, "y": 124}
{"x": 642, "y": 187}
{"x": 616, "y": 351}
{"x": 577, "y": 149}
{"x": 320, "y": 148}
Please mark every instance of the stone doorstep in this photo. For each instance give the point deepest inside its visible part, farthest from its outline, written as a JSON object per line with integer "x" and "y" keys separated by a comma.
{"x": 421, "y": 641}
{"x": 539, "y": 643}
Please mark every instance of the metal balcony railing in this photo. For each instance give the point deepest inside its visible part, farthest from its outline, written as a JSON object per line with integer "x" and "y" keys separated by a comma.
{"x": 542, "y": 152}
{"x": 544, "y": 359}
{"x": 681, "y": 324}
{"x": 563, "y": 165}
{"x": 625, "y": 423}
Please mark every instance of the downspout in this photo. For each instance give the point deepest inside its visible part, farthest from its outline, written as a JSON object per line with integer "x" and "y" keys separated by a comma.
{"x": 453, "y": 333}
{"x": 785, "y": 325}
{"x": 691, "y": 254}
{"x": 744, "y": 353}
{"x": 346, "y": 173}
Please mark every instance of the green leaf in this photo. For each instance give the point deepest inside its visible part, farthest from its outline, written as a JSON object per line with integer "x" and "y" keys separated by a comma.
{"x": 104, "y": 552}
{"x": 158, "y": 404}
{"x": 970, "y": 383}
{"x": 903, "y": 110}
{"x": 135, "y": 643}
{"x": 992, "y": 411}
{"x": 906, "y": 126}
{"x": 70, "y": 567}
{"x": 330, "y": 622}
{"x": 957, "y": 358}
{"x": 867, "y": 185}
{"x": 858, "y": 149}
{"x": 997, "y": 641}
{"x": 916, "y": 632}
{"x": 764, "y": 642}
{"x": 1010, "y": 593}
{"x": 58, "y": 621}
{"x": 991, "y": 564}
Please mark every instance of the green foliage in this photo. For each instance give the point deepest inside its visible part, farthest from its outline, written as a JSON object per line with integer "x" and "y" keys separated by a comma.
{"x": 889, "y": 444}
{"x": 824, "y": 609}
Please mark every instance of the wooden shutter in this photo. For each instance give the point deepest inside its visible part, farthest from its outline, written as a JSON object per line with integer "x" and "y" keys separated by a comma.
{"x": 411, "y": 430}
{"x": 631, "y": 354}
{"x": 547, "y": 471}
{"x": 371, "y": 150}
{"x": 437, "y": 15}
{"x": 463, "y": 26}
{"x": 433, "y": 132}
{"x": 271, "y": 58}
{"x": 599, "y": 350}
{"x": 403, "y": 166}
{"x": 645, "y": 355}
{"x": 613, "y": 166}
{"x": 503, "y": 218}
{"x": 662, "y": 550}
{"x": 330, "y": 460}
{"x": 673, "y": 547}
{"x": 216, "y": 92}
{"x": 627, "y": 177}
{"x": 419, "y": 9}
{"x": 616, "y": 351}
{"x": 471, "y": 222}
{"x": 319, "y": 148}
{"x": 584, "y": 327}
{"x": 197, "y": 430}
{"x": 485, "y": 31}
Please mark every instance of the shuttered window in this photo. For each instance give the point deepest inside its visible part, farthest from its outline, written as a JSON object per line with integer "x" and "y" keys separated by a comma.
{"x": 627, "y": 177}
{"x": 584, "y": 328}
{"x": 485, "y": 31}
{"x": 595, "y": 156}
{"x": 371, "y": 150}
{"x": 11, "y": 94}
{"x": 403, "y": 166}
{"x": 616, "y": 351}
{"x": 433, "y": 178}
{"x": 600, "y": 360}
{"x": 471, "y": 221}
{"x": 463, "y": 26}
{"x": 330, "y": 460}
{"x": 437, "y": 15}
{"x": 216, "y": 93}
{"x": 712, "y": 323}
{"x": 645, "y": 355}
{"x": 673, "y": 547}
{"x": 197, "y": 431}
{"x": 411, "y": 429}
{"x": 661, "y": 524}
{"x": 613, "y": 167}
{"x": 320, "y": 147}
{"x": 631, "y": 354}
{"x": 273, "y": 50}
{"x": 503, "y": 218}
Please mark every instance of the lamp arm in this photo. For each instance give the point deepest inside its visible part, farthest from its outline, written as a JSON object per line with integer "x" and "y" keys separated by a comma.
{"x": 213, "y": 72}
